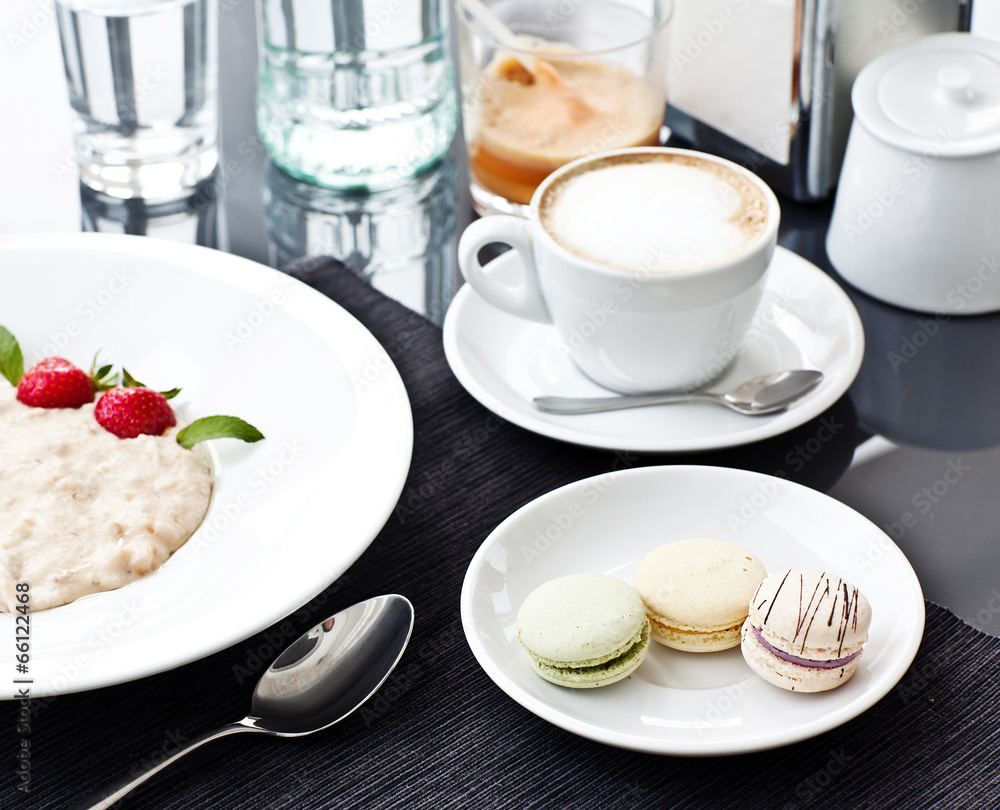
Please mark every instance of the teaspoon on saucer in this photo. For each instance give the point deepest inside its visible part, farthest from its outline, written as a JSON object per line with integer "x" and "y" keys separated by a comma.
{"x": 768, "y": 393}
{"x": 317, "y": 681}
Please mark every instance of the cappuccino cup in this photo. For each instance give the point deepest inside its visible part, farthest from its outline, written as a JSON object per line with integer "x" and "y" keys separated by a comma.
{"x": 650, "y": 262}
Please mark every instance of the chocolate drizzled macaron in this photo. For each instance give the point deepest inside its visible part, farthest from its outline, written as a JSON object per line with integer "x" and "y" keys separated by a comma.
{"x": 696, "y": 592}
{"x": 806, "y": 630}
{"x": 584, "y": 630}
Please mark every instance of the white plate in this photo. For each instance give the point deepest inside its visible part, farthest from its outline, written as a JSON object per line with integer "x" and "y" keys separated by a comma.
{"x": 289, "y": 514}
{"x": 805, "y": 321}
{"x": 688, "y": 704}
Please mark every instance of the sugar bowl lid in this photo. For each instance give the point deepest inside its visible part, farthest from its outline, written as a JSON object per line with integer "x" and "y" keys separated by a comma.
{"x": 938, "y": 95}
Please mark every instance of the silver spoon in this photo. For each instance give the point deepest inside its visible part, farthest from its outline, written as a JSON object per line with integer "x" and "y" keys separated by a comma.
{"x": 316, "y": 682}
{"x": 765, "y": 394}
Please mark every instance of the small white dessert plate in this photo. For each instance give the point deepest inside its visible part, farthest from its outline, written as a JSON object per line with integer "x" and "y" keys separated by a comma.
{"x": 288, "y": 514}
{"x": 688, "y": 704}
{"x": 805, "y": 320}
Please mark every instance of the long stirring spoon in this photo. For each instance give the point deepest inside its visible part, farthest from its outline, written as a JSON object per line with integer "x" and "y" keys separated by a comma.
{"x": 317, "y": 681}
{"x": 540, "y": 68}
{"x": 765, "y": 394}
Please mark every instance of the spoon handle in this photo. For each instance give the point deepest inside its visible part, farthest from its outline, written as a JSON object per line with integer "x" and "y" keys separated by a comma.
{"x": 482, "y": 14}
{"x": 112, "y": 794}
{"x": 599, "y": 404}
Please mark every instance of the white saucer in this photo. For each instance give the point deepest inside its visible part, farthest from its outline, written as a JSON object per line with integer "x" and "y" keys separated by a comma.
{"x": 805, "y": 321}
{"x": 688, "y": 704}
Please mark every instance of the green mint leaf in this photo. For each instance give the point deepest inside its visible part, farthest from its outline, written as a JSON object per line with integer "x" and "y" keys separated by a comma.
{"x": 11, "y": 359}
{"x": 217, "y": 427}
{"x": 170, "y": 394}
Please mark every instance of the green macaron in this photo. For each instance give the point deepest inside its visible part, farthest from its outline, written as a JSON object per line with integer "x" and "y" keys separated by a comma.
{"x": 584, "y": 630}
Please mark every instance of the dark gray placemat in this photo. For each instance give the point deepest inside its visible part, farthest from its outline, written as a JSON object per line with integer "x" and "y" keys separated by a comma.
{"x": 440, "y": 734}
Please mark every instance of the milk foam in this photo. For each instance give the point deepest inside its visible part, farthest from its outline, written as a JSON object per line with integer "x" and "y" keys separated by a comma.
{"x": 655, "y": 214}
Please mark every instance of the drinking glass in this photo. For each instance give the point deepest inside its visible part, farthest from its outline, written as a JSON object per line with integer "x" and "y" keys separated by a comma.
{"x": 355, "y": 93}
{"x": 143, "y": 79}
{"x": 577, "y": 77}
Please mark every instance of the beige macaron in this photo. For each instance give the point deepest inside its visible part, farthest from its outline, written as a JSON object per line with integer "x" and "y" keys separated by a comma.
{"x": 806, "y": 630}
{"x": 697, "y": 591}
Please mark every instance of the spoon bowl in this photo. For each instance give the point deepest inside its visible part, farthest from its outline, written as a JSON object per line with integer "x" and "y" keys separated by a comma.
{"x": 766, "y": 394}
{"x": 320, "y": 679}
{"x": 330, "y": 671}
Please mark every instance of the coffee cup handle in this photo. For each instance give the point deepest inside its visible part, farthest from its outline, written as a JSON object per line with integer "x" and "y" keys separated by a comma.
{"x": 523, "y": 299}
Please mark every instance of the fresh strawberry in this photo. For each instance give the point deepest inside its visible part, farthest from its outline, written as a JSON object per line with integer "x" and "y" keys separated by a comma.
{"x": 55, "y": 383}
{"x": 129, "y": 412}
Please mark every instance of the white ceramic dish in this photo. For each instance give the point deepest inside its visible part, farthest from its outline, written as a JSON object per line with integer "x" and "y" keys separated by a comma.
{"x": 289, "y": 514}
{"x": 688, "y": 704}
{"x": 805, "y": 321}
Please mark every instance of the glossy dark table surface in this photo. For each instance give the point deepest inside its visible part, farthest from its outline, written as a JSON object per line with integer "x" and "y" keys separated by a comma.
{"x": 925, "y": 466}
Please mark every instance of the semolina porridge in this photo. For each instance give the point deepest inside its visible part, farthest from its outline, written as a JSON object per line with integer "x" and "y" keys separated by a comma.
{"x": 82, "y": 511}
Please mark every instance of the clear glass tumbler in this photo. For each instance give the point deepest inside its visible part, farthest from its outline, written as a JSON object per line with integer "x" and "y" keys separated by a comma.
{"x": 355, "y": 93}
{"x": 548, "y": 81}
{"x": 143, "y": 82}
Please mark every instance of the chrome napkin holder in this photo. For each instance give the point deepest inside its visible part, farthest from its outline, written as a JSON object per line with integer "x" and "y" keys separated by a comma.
{"x": 767, "y": 83}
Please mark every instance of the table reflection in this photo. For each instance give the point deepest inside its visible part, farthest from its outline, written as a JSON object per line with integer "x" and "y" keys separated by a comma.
{"x": 402, "y": 239}
{"x": 196, "y": 219}
{"x": 920, "y": 370}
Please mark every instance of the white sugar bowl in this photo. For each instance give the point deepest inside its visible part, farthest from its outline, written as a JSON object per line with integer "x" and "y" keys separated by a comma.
{"x": 916, "y": 221}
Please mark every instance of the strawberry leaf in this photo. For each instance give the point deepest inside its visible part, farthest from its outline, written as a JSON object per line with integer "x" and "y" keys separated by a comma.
{"x": 217, "y": 427}
{"x": 128, "y": 381}
{"x": 170, "y": 394}
{"x": 11, "y": 359}
{"x": 102, "y": 378}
